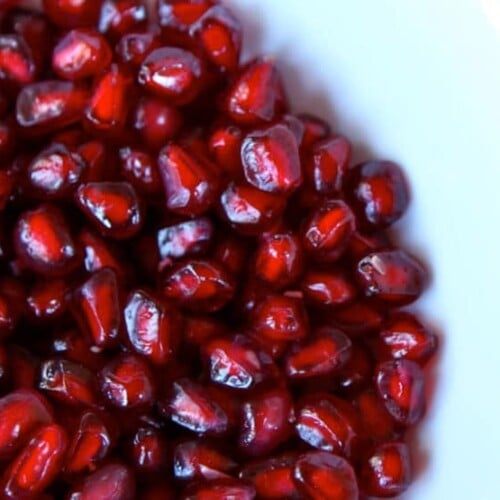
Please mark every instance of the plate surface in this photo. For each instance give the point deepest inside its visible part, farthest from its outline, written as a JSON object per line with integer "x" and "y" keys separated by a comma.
{"x": 418, "y": 82}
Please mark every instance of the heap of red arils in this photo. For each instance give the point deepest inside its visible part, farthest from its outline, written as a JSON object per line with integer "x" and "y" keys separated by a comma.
{"x": 198, "y": 295}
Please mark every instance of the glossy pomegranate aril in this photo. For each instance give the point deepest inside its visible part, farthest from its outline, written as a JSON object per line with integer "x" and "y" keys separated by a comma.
{"x": 174, "y": 74}
{"x": 148, "y": 450}
{"x": 315, "y": 130}
{"x": 220, "y": 488}
{"x": 68, "y": 13}
{"x": 37, "y": 465}
{"x": 328, "y": 289}
{"x": 139, "y": 168}
{"x": 96, "y": 306}
{"x": 376, "y": 420}
{"x": 357, "y": 371}
{"x": 271, "y": 160}
{"x": 400, "y": 385}
{"x": 119, "y": 17}
{"x": 199, "y": 460}
{"x": 257, "y": 96}
{"x": 387, "y": 472}
{"x": 358, "y": 318}
{"x": 392, "y": 276}
{"x": 225, "y": 147}
{"x": 133, "y": 48}
{"x": 16, "y": 61}
{"x": 327, "y": 352}
{"x": 378, "y": 192}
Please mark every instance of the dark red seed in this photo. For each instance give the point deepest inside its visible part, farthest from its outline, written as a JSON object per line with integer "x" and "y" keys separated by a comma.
{"x": 113, "y": 207}
{"x": 358, "y": 318}
{"x": 232, "y": 253}
{"x": 68, "y": 13}
{"x": 119, "y": 17}
{"x": 96, "y": 158}
{"x": 140, "y": 169}
{"x": 225, "y": 147}
{"x": 357, "y": 371}
{"x": 270, "y": 159}
{"x": 315, "y": 130}
{"x": 376, "y": 420}
{"x": 220, "y": 488}
{"x": 81, "y": 54}
{"x": 126, "y": 383}
{"x": 387, "y": 472}
{"x": 321, "y": 475}
{"x": 400, "y": 385}
{"x": 133, "y": 48}
{"x": 392, "y": 276}
{"x": 328, "y": 289}
{"x": 16, "y": 60}
{"x": 148, "y": 450}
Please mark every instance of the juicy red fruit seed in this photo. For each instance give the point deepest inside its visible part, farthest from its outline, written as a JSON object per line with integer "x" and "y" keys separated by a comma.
{"x": 68, "y": 13}
{"x": 119, "y": 17}
{"x": 133, "y": 48}
{"x": 148, "y": 450}
{"x": 16, "y": 61}
{"x": 327, "y": 289}
{"x": 140, "y": 169}
{"x": 220, "y": 488}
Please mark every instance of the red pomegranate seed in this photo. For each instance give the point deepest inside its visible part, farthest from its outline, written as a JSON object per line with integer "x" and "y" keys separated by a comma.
{"x": 356, "y": 372}
{"x": 376, "y": 420}
{"x": 38, "y": 464}
{"x": 174, "y": 74}
{"x": 81, "y": 54}
{"x": 327, "y": 352}
{"x": 257, "y": 96}
{"x": 321, "y": 475}
{"x": 271, "y": 160}
{"x": 363, "y": 244}
{"x": 16, "y": 61}
{"x": 400, "y": 385}
{"x": 358, "y": 318}
{"x": 220, "y": 488}
{"x": 272, "y": 478}
{"x": 404, "y": 337}
{"x": 113, "y": 207}
{"x": 378, "y": 192}
{"x": 119, "y": 17}
{"x": 47, "y": 106}
{"x": 153, "y": 327}
{"x": 225, "y": 147}
{"x": 161, "y": 489}
{"x": 43, "y": 241}
{"x": 191, "y": 406}
{"x": 266, "y": 422}
{"x": 96, "y": 306}
{"x": 249, "y": 210}
{"x": 315, "y": 130}
{"x": 22, "y": 413}
{"x": 387, "y": 472}
{"x": 112, "y": 481}
{"x": 55, "y": 172}
{"x": 392, "y": 276}
{"x": 189, "y": 183}
{"x": 327, "y": 289}
{"x": 133, "y": 48}
{"x": 198, "y": 460}
{"x": 67, "y": 382}
{"x": 139, "y": 168}
{"x": 328, "y": 230}
{"x": 148, "y": 450}
{"x": 232, "y": 253}
{"x": 72, "y": 345}
{"x": 68, "y": 13}
{"x": 89, "y": 446}
{"x": 198, "y": 329}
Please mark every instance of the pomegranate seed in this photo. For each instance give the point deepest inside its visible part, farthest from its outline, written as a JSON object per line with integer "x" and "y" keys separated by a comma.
{"x": 225, "y": 146}
{"x": 315, "y": 130}
{"x": 189, "y": 184}
{"x": 148, "y": 450}
{"x": 271, "y": 160}
{"x": 55, "y": 172}
{"x": 112, "y": 481}
{"x": 152, "y": 326}
{"x": 16, "y": 61}
{"x": 220, "y": 488}
{"x": 404, "y": 337}
{"x": 133, "y": 48}
{"x": 95, "y": 157}
{"x": 358, "y": 318}
{"x": 47, "y": 106}
{"x": 177, "y": 18}
{"x": 192, "y": 407}
{"x": 119, "y": 17}
{"x": 279, "y": 317}
{"x": 321, "y": 475}
{"x": 266, "y": 422}
{"x": 327, "y": 352}
{"x": 392, "y": 276}
{"x": 126, "y": 383}
{"x": 68, "y": 13}
{"x": 22, "y": 412}
{"x": 257, "y": 96}
{"x": 328, "y": 230}
{"x": 113, "y": 207}
{"x": 387, "y": 472}
{"x": 356, "y": 372}
{"x": 232, "y": 253}
{"x": 89, "y": 446}
{"x": 198, "y": 460}
{"x": 199, "y": 285}
{"x": 362, "y": 244}
{"x": 174, "y": 74}
{"x": 140, "y": 169}
{"x": 400, "y": 384}
{"x": 272, "y": 478}
{"x": 96, "y": 306}
{"x": 378, "y": 192}
{"x": 198, "y": 329}
{"x": 73, "y": 346}
{"x": 376, "y": 420}
{"x": 43, "y": 241}
{"x": 327, "y": 289}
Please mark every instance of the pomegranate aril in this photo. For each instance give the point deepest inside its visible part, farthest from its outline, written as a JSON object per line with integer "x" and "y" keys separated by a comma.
{"x": 356, "y": 372}
{"x": 126, "y": 383}
{"x": 328, "y": 351}
{"x": 358, "y": 318}
{"x": 327, "y": 289}
{"x": 232, "y": 253}
{"x": 225, "y": 147}
{"x": 271, "y": 160}
{"x": 112, "y": 481}
{"x": 378, "y": 192}
{"x": 73, "y": 346}
{"x": 22, "y": 413}
{"x": 140, "y": 169}
{"x": 392, "y": 276}
{"x": 315, "y": 130}
{"x": 257, "y": 96}
{"x": 68, "y": 13}
{"x": 199, "y": 460}
{"x": 153, "y": 327}
{"x": 16, "y": 61}
{"x": 44, "y": 107}
{"x": 174, "y": 74}
{"x": 362, "y": 244}
{"x": 148, "y": 450}
{"x": 387, "y": 472}
{"x": 321, "y": 475}
{"x": 133, "y": 48}
{"x": 198, "y": 329}
{"x": 96, "y": 306}
{"x": 96, "y": 158}
{"x": 119, "y": 17}
{"x": 218, "y": 489}
{"x": 376, "y": 420}
{"x": 400, "y": 385}
{"x": 89, "y": 446}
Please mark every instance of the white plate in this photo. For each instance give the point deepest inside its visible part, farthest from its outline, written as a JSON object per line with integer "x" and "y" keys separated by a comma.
{"x": 418, "y": 81}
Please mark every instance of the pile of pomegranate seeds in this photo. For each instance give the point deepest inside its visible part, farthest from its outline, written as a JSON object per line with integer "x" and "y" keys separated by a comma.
{"x": 199, "y": 298}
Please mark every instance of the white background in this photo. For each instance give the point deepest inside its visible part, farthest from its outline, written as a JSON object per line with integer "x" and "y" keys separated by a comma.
{"x": 418, "y": 81}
